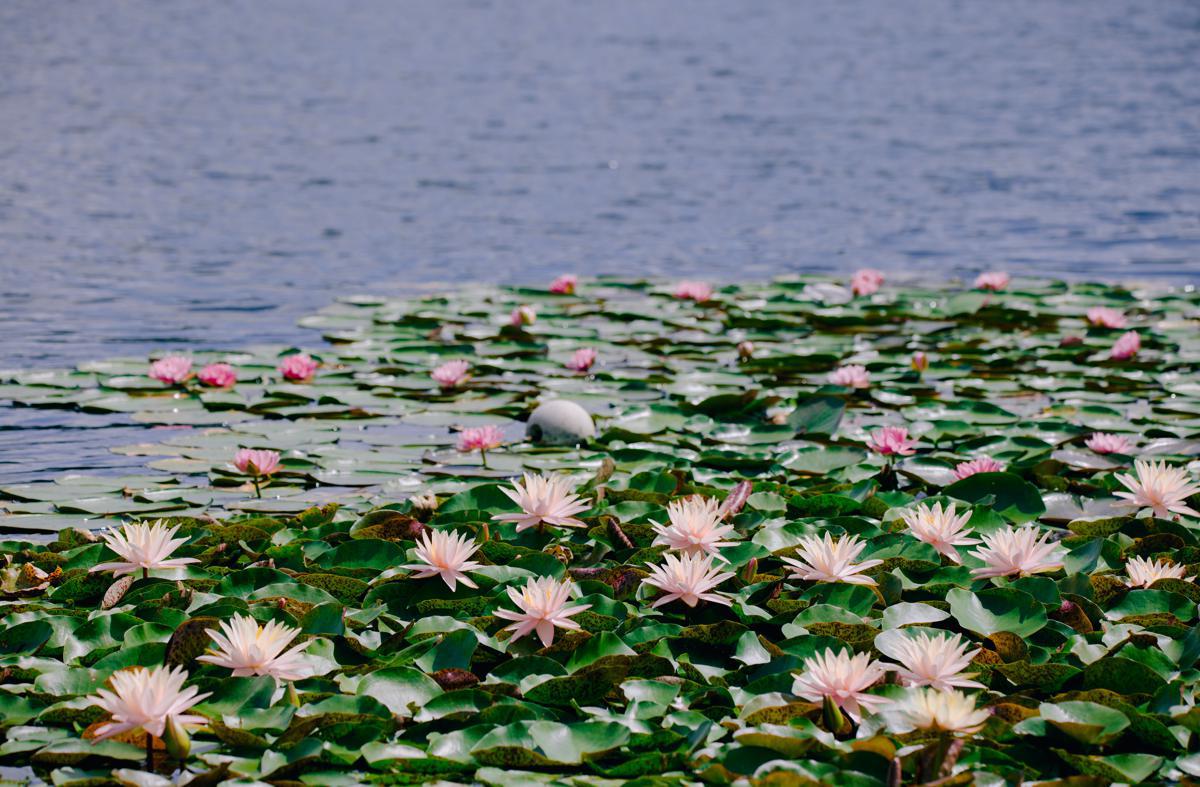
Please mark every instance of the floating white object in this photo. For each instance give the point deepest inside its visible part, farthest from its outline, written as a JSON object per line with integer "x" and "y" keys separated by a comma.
{"x": 559, "y": 422}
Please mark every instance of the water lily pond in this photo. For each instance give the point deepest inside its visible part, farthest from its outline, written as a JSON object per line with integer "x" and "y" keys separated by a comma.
{"x": 818, "y": 534}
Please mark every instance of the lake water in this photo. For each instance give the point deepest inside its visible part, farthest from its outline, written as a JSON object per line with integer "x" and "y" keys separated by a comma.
{"x": 202, "y": 174}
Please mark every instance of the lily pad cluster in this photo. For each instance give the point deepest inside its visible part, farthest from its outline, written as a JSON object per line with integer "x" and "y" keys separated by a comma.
{"x": 1082, "y": 671}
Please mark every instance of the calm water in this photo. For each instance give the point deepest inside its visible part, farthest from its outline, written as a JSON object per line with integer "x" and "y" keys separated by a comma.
{"x": 202, "y": 174}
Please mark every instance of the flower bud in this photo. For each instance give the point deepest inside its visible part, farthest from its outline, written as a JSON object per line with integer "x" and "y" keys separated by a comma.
{"x": 175, "y": 736}
{"x": 920, "y": 361}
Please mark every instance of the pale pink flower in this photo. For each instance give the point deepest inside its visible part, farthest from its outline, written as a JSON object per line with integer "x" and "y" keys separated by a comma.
{"x": 480, "y": 438}
{"x": 564, "y": 284}
{"x": 991, "y": 280}
{"x": 1126, "y": 346}
{"x": 544, "y": 500}
{"x": 943, "y": 529}
{"x": 1160, "y": 487}
{"x": 1143, "y": 572}
{"x": 147, "y": 699}
{"x": 936, "y": 661}
{"x": 851, "y": 376}
{"x": 254, "y": 461}
{"x": 451, "y": 374}
{"x": 522, "y": 316}
{"x": 582, "y": 360}
{"x": 920, "y": 361}
{"x": 171, "y": 370}
{"x": 543, "y": 604}
{"x": 446, "y": 555}
{"x": 218, "y": 375}
{"x": 984, "y": 464}
{"x": 250, "y": 648}
{"x": 1021, "y": 551}
{"x": 697, "y": 291}
{"x": 689, "y": 578}
{"x": 866, "y": 281}
{"x": 298, "y": 367}
{"x": 842, "y": 678}
{"x": 933, "y": 710}
{"x": 891, "y": 440}
{"x": 1105, "y": 317}
{"x": 1105, "y": 443}
{"x": 145, "y": 547}
{"x": 821, "y": 559}
{"x": 695, "y": 528}
{"x": 745, "y": 349}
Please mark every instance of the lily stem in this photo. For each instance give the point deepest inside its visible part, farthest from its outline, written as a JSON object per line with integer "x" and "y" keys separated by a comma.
{"x": 149, "y": 752}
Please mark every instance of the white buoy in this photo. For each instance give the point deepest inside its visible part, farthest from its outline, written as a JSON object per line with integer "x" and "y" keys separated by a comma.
{"x": 559, "y": 422}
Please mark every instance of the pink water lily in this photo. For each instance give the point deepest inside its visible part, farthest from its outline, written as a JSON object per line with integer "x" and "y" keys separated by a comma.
{"x": 147, "y": 699}
{"x": 1143, "y": 572}
{"x": 851, "y": 376}
{"x": 942, "y": 528}
{"x": 936, "y": 661}
{"x": 1105, "y": 443}
{"x": 984, "y": 464}
{"x": 582, "y": 360}
{"x": 697, "y": 291}
{"x": 564, "y": 284}
{"x": 298, "y": 368}
{"x": 1159, "y": 487}
{"x": 446, "y": 555}
{"x": 822, "y": 559}
{"x": 688, "y": 578}
{"x": 480, "y": 438}
{"x": 1106, "y": 317}
{"x": 522, "y": 316}
{"x": 172, "y": 370}
{"x": 866, "y": 281}
{"x": 544, "y": 499}
{"x": 991, "y": 280}
{"x": 451, "y": 374}
{"x": 248, "y": 648}
{"x": 695, "y": 527}
{"x": 256, "y": 461}
{"x": 143, "y": 547}
{"x": 745, "y": 350}
{"x": 1019, "y": 551}
{"x": 218, "y": 375}
{"x": 543, "y": 607}
{"x": 842, "y": 678}
{"x": 1126, "y": 346}
{"x": 920, "y": 361}
{"x": 891, "y": 441}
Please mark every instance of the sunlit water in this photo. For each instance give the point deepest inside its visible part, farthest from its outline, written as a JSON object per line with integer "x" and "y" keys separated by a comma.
{"x": 201, "y": 174}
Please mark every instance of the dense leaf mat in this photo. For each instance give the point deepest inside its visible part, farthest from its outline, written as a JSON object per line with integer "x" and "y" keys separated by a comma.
{"x": 1083, "y": 675}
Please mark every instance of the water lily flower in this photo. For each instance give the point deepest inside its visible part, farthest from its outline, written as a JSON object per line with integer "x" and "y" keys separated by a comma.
{"x": 298, "y": 368}
{"x": 697, "y": 291}
{"x": 446, "y": 555}
{"x": 942, "y": 528}
{"x": 851, "y": 376}
{"x": 842, "y": 678}
{"x": 991, "y": 280}
{"x": 984, "y": 464}
{"x": 218, "y": 375}
{"x": 543, "y": 605}
{"x": 250, "y": 648}
{"x": 688, "y": 578}
{"x": 866, "y": 281}
{"x": 522, "y": 316}
{"x": 1126, "y": 346}
{"x": 147, "y": 699}
{"x": 258, "y": 462}
{"x": 920, "y": 361}
{"x": 891, "y": 440}
{"x": 1144, "y": 572}
{"x": 564, "y": 284}
{"x": 1020, "y": 551}
{"x": 544, "y": 499}
{"x": 1104, "y": 443}
{"x": 745, "y": 350}
{"x": 695, "y": 528}
{"x": 936, "y": 661}
{"x": 1106, "y": 317}
{"x": 172, "y": 370}
{"x": 145, "y": 547}
{"x": 451, "y": 374}
{"x": 481, "y": 439}
{"x": 824, "y": 560}
{"x": 1159, "y": 487}
{"x": 582, "y": 360}
{"x": 935, "y": 710}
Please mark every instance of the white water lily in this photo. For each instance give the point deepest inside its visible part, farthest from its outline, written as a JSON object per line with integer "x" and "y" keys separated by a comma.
{"x": 446, "y": 555}
{"x": 250, "y": 648}
{"x": 936, "y": 661}
{"x": 695, "y": 527}
{"x": 144, "y": 547}
{"x": 821, "y": 559}
{"x": 842, "y": 678}
{"x": 689, "y": 578}
{"x": 543, "y": 607}
{"x": 936, "y": 710}
{"x": 942, "y": 528}
{"x": 544, "y": 499}
{"x": 1144, "y": 572}
{"x": 1020, "y": 551}
{"x": 1159, "y": 487}
{"x": 147, "y": 699}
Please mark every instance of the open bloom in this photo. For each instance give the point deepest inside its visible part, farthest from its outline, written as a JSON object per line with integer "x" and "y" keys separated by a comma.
{"x": 145, "y": 547}
{"x": 851, "y": 376}
{"x": 171, "y": 370}
{"x": 1143, "y": 572}
{"x": 844, "y": 679}
{"x": 445, "y": 555}
{"x": 936, "y": 661}
{"x": 920, "y": 361}
{"x": 824, "y": 560}
{"x": 256, "y": 462}
{"x": 1160, "y": 487}
{"x": 942, "y": 528}
{"x": 935, "y": 710}
{"x": 522, "y": 315}
{"x": 890, "y": 440}
{"x": 984, "y": 464}
{"x": 1126, "y": 346}
{"x": 451, "y": 374}
{"x": 564, "y": 284}
{"x": 688, "y": 578}
{"x": 543, "y": 605}
{"x": 991, "y": 280}
{"x": 866, "y": 281}
{"x": 299, "y": 367}
{"x": 544, "y": 499}
{"x": 695, "y": 528}
{"x": 250, "y": 648}
{"x": 1021, "y": 551}
{"x": 582, "y": 360}
{"x": 147, "y": 699}
{"x": 218, "y": 375}
{"x": 1104, "y": 443}
{"x": 480, "y": 438}
{"x": 1105, "y": 317}
{"x": 696, "y": 291}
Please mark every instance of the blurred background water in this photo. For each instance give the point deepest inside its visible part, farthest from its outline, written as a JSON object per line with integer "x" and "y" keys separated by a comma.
{"x": 177, "y": 174}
